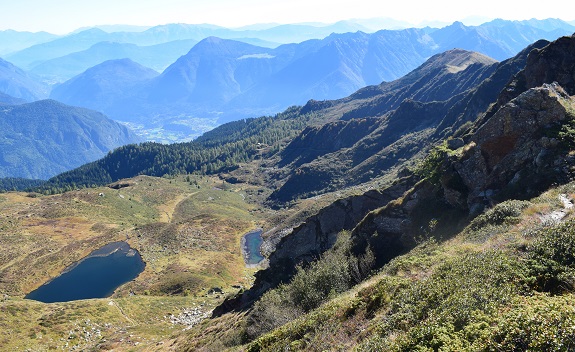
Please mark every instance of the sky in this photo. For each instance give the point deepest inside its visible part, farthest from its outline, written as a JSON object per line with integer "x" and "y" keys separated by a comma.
{"x": 64, "y": 16}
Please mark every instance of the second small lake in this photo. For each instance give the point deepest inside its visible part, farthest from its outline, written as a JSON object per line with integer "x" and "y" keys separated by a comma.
{"x": 251, "y": 243}
{"x": 96, "y": 276}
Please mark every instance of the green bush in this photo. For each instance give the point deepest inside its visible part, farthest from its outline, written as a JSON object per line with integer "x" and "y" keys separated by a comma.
{"x": 555, "y": 243}
{"x": 552, "y": 258}
{"x": 440, "y": 312}
{"x": 430, "y": 167}
{"x": 537, "y": 323}
{"x": 495, "y": 220}
{"x": 505, "y": 213}
{"x": 320, "y": 281}
{"x": 335, "y": 272}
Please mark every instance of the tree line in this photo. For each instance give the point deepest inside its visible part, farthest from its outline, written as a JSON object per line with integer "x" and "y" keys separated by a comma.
{"x": 222, "y": 149}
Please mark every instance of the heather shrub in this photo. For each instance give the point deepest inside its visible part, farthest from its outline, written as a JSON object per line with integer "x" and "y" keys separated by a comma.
{"x": 336, "y": 271}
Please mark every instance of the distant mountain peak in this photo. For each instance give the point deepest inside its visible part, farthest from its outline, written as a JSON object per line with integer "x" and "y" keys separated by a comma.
{"x": 226, "y": 47}
{"x": 123, "y": 67}
{"x": 458, "y": 24}
{"x": 456, "y": 60}
{"x": 212, "y": 40}
{"x": 90, "y": 32}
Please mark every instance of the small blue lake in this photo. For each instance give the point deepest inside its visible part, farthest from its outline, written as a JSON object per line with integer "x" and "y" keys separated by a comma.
{"x": 251, "y": 243}
{"x": 96, "y": 276}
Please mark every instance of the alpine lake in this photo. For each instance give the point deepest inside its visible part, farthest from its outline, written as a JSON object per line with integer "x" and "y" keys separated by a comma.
{"x": 104, "y": 270}
{"x": 95, "y": 276}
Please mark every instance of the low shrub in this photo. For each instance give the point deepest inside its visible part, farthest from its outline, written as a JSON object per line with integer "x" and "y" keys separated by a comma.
{"x": 335, "y": 272}
{"x": 495, "y": 220}
{"x": 440, "y": 312}
{"x": 537, "y": 323}
{"x": 505, "y": 213}
{"x": 552, "y": 258}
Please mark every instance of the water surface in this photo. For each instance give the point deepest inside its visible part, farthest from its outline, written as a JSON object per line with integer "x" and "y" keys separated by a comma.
{"x": 251, "y": 243}
{"x": 96, "y": 276}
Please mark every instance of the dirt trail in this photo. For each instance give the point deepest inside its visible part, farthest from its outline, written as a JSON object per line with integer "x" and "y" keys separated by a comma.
{"x": 558, "y": 215}
{"x": 167, "y": 210}
{"x": 113, "y": 303}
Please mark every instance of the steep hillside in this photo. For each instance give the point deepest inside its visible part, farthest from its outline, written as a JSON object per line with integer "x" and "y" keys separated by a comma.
{"x": 17, "y": 83}
{"x": 503, "y": 283}
{"x": 45, "y": 138}
{"x": 518, "y": 150}
{"x": 96, "y": 87}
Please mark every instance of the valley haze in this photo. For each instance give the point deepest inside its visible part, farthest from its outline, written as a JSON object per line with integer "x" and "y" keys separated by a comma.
{"x": 38, "y": 15}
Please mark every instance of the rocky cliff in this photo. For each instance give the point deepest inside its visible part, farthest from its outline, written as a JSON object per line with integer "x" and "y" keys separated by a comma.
{"x": 518, "y": 153}
{"x": 520, "y": 147}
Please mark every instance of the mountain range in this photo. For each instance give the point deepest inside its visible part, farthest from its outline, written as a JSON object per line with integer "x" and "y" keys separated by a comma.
{"x": 251, "y": 81}
{"x": 229, "y": 80}
{"x": 220, "y": 80}
{"x": 156, "y": 57}
{"x": 13, "y": 41}
{"x": 29, "y": 57}
{"x": 346, "y": 142}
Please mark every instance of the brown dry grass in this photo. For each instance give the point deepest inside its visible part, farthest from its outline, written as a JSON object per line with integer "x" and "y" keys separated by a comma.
{"x": 188, "y": 237}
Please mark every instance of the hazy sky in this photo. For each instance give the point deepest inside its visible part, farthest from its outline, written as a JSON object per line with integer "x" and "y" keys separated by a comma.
{"x": 62, "y": 16}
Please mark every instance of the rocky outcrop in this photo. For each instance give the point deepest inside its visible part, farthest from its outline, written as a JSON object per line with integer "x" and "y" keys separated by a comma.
{"x": 518, "y": 153}
{"x": 319, "y": 232}
{"x": 553, "y": 63}
{"x": 520, "y": 147}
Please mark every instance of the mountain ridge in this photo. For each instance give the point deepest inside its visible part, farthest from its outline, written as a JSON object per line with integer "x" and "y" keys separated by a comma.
{"x": 511, "y": 153}
{"x": 45, "y": 138}
{"x": 19, "y": 84}
{"x": 157, "y": 57}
